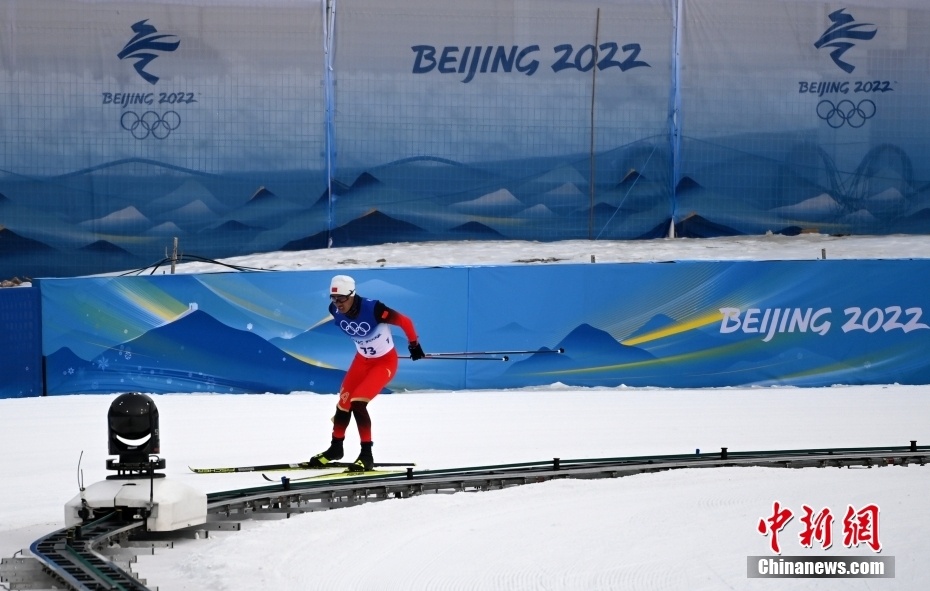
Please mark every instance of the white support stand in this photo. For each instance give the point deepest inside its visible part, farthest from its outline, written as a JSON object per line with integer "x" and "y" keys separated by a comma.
{"x": 171, "y": 505}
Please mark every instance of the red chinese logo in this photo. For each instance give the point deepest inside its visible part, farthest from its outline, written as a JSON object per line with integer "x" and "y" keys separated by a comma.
{"x": 774, "y": 524}
{"x": 859, "y": 527}
{"x": 817, "y": 527}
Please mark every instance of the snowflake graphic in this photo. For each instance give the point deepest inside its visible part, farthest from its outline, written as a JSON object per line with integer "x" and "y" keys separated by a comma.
{"x": 103, "y": 363}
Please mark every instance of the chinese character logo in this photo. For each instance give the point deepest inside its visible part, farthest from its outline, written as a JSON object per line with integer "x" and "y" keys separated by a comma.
{"x": 817, "y": 527}
{"x": 143, "y": 45}
{"x": 843, "y": 27}
{"x": 775, "y": 523}
{"x": 859, "y": 527}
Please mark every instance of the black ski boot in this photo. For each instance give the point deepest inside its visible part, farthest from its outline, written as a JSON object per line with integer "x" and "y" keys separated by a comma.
{"x": 330, "y": 455}
{"x": 365, "y": 461}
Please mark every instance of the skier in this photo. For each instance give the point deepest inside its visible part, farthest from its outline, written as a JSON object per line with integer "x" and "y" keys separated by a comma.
{"x": 366, "y": 322}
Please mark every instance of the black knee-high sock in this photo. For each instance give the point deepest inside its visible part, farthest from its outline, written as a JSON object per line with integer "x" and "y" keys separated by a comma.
{"x": 362, "y": 421}
{"x": 341, "y": 423}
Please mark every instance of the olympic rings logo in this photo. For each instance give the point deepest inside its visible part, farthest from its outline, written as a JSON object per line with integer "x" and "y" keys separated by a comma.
{"x": 845, "y": 112}
{"x": 355, "y": 329}
{"x": 150, "y": 123}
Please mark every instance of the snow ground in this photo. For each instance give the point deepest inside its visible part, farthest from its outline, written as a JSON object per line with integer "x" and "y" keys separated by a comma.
{"x": 687, "y": 529}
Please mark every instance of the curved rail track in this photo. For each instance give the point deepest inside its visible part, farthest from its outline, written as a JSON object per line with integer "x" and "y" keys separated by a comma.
{"x": 97, "y": 554}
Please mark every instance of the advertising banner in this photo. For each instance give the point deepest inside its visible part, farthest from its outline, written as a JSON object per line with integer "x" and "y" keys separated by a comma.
{"x": 129, "y": 124}
{"x": 678, "y": 325}
{"x": 804, "y": 115}
{"x": 492, "y": 119}
{"x": 241, "y": 127}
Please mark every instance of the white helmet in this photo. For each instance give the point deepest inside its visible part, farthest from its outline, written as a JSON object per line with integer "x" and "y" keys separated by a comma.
{"x": 342, "y": 285}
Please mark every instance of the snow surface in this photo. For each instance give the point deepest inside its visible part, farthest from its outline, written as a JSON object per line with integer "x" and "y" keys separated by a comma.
{"x": 683, "y": 529}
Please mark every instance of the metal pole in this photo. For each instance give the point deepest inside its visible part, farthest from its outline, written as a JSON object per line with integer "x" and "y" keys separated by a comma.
{"x": 459, "y": 358}
{"x": 466, "y": 353}
{"x": 591, "y": 180}
{"x": 174, "y": 255}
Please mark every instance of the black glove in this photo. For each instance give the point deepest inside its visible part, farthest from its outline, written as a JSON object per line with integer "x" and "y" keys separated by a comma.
{"x": 416, "y": 351}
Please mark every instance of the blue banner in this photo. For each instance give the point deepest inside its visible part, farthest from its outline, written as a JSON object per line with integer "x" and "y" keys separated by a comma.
{"x": 682, "y": 325}
{"x": 294, "y": 125}
{"x": 20, "y": 343}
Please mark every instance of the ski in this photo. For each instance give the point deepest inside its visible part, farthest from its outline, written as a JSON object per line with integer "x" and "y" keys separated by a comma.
{"x": 295, "y": 466}
{"x": 333, "y": 475}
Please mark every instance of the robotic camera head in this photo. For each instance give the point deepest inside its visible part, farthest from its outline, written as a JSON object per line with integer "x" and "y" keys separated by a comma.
{"x": 133, "y": 428}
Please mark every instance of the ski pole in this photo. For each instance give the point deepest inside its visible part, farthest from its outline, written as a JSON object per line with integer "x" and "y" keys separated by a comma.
{"x": 467, "y": 353}
{"x": 448, "y": 357}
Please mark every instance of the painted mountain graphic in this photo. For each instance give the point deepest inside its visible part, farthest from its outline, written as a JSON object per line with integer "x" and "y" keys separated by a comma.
{"x": 511, "y": 328}
{"x": 859, "y": 218}
{"x": 62, "y": 367}
{"x": 631, "y": 178}
{"x": 263, "y": 210}
{"x": 314, "y": 242}
{"x": 365, "y": 179}
{"x": 536, "y": 212}
{"x": 235, "y": 227}
{"x": 261, "y": 194}
{"x": 687, "y": 184}
{"x": 13, "y": 243}
{"x": 566, "y": 191}
{"x": 435, "y": 178}
{"x": 476, "y": 230}
{"x": 104, "y": 247}
{"x": 589, "y": 354}
{"x": 500, "y": 202}
{"x": 377, "y": 228}
{"x": 565, "y": 196}
{"x": 657, "y": 322}
{"x": 189, "y": 191}
{"x": 888, "y": 203}
{"x": 362, "y": 181}
{"x": 126, "y": 220}
{"x": 193, "y": 215}
{"x": 597, "y": 343}
{"x": 695, "y": 226}
{"x": 821, "y": 207}
{"x": 200, "y": 352}
{"x": 563, "y": 173}
{"x": 561, "y": 178}
{"x": 165, "y": 229}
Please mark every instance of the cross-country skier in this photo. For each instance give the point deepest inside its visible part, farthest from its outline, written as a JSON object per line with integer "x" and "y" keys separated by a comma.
{"x": 366, "y": 322}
